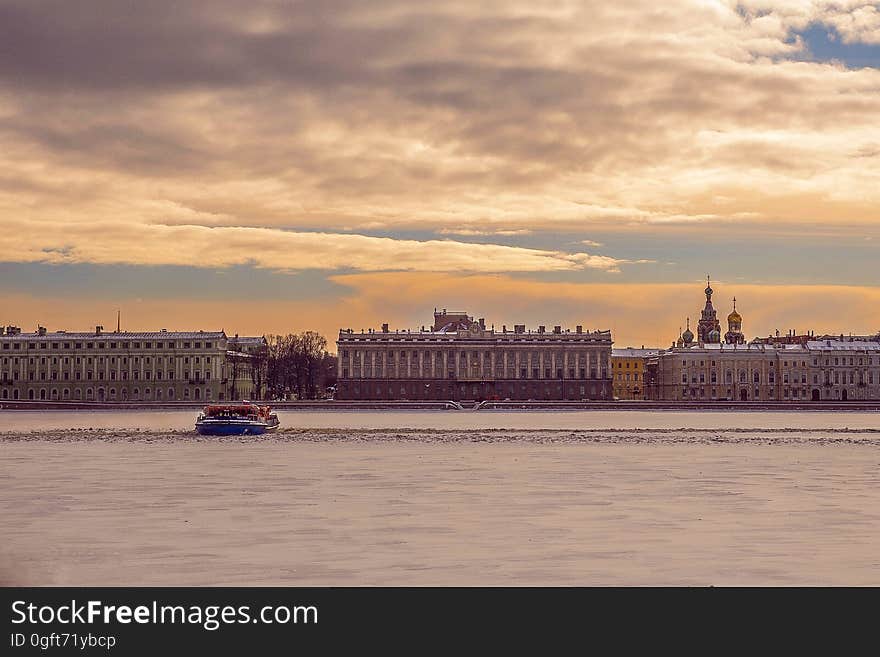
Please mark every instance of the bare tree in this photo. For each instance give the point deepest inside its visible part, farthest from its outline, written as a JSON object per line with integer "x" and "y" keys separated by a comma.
{"x": 258, "y": 362}
{"x": 297, "y": 365}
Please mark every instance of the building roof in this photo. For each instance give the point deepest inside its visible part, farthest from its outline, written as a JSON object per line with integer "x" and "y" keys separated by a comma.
{"x": 845, "y": 345}
{"x": 751, "y": 348}
{"x": 248, "y": 340}
{"x": 487, "y": 334}
{"x": 630, "y": 352}
{"x": 728, "y": 348}
{"x": 125, "y": 335}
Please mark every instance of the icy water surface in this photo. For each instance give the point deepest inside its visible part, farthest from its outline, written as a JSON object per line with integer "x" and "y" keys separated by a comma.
{"x": 457, "y": 420}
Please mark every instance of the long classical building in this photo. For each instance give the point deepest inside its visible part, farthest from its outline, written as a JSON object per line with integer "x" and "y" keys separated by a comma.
{"x": 121, "y": 366}
{"x": 819, "y": 370}
{"x": 459, "y": 358}
{"x": 704, "y": 367}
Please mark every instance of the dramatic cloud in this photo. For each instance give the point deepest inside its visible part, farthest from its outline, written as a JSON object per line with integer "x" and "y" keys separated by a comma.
{"x": 282, "y": 134}
{"x": 204, "y": 246}
{"x": 452, "y": 116}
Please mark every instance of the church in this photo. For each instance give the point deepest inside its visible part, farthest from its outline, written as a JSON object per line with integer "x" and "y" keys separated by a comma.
{"x": 709, "y": 328}
{"x": 705, "y": 367}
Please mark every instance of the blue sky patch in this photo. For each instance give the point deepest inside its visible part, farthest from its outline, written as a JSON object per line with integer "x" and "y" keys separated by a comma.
{"x": 824, "y": 44}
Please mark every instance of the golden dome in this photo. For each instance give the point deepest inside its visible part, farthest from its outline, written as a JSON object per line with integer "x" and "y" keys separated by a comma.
{"x": 734, "y": 316}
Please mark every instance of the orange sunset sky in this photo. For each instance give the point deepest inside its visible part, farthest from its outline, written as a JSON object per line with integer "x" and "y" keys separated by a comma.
{"x": 268, "y": 166}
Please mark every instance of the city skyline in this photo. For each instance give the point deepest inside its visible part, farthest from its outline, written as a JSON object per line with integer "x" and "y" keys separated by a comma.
{"x": 633, "y": 322}
{"x": 266, "y": 168}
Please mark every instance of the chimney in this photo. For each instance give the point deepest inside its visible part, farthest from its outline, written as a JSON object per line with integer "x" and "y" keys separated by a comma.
{"x": 98, "y": 330}
{"x": 579, "y": 328}
{"x": 504, "y": 328}
{"x": 557, "y": 330}
{"x": 483, "y": 323}
{"x": 41, "y": 330}
{"x": 385, "y": 328}
{"x": 542, "y": 328}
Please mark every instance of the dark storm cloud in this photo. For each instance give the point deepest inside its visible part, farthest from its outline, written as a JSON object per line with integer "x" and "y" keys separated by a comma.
{"x": 342, "y": 114}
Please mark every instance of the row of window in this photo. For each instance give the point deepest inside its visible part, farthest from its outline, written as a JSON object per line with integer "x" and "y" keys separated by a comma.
{"x": 788, "y": 393}
{"x": 402, "y": 392}
{"x": 65, "y": 360}
{"x": 524, "y": 373}
{"x": 853, "y": 360}
{"x": 106, "y": 345}
{"x": 101, "y": 395}
{"x": 65, "y": 376}
{"x": 743, "y": 393}
{"x": 464, "y": 356}
{"x": 862, "y": 378}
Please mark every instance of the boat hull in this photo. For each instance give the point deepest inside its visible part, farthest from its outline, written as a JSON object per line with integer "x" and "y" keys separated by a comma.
{"x": 231, "y": 428}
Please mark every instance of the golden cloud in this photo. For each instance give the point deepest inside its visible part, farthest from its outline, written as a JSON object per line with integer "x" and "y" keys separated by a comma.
{"x": 204, "y": 246}
{"x": 496, "y": 117}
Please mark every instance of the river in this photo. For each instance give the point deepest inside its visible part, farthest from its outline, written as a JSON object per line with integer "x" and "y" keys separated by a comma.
{"x": 162, "y": 420}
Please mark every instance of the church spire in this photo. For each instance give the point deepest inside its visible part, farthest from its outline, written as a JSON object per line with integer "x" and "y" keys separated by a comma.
{"x": 709, "y": 328}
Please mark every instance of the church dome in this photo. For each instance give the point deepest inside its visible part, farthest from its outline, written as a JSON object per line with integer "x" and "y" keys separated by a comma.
{"x": 687, "y": 336}
{"x": 734, "y": 317}
{"x": 714, "y": 336}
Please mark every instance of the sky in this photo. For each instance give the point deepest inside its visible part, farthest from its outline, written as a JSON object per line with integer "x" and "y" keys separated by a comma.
{"x": 268, "y": 166}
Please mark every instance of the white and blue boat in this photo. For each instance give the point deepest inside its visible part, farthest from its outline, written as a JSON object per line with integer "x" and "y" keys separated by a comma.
{"x": 243, "y": 419}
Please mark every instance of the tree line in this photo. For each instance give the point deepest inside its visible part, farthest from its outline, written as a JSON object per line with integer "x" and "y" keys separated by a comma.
{"x": 293, "y": 366}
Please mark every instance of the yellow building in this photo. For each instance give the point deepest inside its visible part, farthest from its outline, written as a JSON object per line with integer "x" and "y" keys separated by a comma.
{"x": 628, "y": 372}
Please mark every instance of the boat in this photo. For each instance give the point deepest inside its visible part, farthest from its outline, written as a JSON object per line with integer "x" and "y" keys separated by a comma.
{"x": 245, "y": 419}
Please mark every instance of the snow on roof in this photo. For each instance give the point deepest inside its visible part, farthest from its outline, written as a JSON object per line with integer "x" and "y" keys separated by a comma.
{"x": 146, "y": 335}
{"x": 630, "y": 352}
{"x": 845, "y": 345}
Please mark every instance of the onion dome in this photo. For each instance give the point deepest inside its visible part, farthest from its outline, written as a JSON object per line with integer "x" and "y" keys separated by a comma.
{"x": 688, "y": 336}
{"x": 734, "y": 317}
